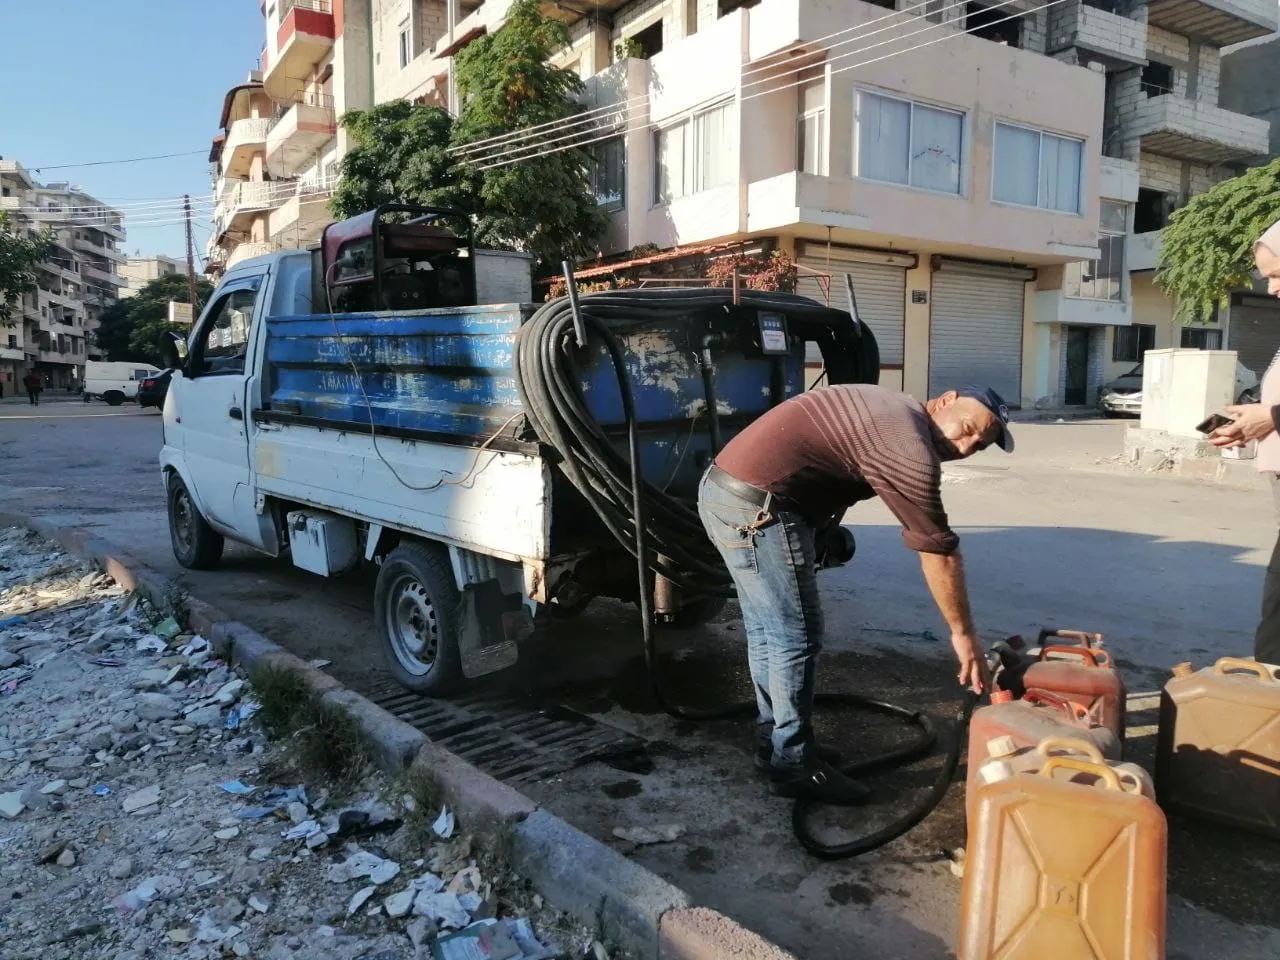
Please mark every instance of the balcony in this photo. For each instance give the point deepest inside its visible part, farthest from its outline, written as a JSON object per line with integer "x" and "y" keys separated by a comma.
{"x": 1113, "y": 40}
{"x": 1142, "y": 251}
{"x": 1198, "y": 132}
{"x": 305, "y": 35}
{"x": 301, "y": 217}
{"x": 238, "y": 198}
{"x": 244, "y": 139}
{"x": 87, "y": 245}
{"x": 298, "y": 132}
{"x": 101, "y": 275}
{"x": 10, "y": 203}
{"x": 1220, "y": 22}
{"x": 10, "y": 353}
{"x": 249, "y": 249}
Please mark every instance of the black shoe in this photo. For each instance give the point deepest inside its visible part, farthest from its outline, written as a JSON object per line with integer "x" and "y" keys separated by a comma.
{"x": 818, "y": 781}
{"x": 764, "y": 755}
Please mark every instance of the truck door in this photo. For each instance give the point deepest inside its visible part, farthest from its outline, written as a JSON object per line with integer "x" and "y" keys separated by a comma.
{"x": 214, "y": 412}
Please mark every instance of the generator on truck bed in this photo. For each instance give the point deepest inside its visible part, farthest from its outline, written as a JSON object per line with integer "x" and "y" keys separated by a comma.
{"x": 477, "y": 452}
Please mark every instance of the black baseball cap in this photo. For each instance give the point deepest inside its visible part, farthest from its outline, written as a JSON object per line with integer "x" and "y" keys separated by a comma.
{"x": 993, "y": 402}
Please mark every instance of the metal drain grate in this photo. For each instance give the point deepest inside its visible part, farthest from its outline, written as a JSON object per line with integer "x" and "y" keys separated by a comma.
{"x": 513, "y": 741}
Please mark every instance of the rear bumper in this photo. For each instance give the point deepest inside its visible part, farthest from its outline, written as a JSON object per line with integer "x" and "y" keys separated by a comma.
{"x": 1121, "y": 403}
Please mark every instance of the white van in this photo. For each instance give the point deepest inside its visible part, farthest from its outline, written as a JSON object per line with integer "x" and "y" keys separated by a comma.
{"x": 115, "y": 382}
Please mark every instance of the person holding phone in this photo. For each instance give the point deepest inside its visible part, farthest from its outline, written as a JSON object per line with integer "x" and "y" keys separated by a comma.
{"x": 1261, "y": 422}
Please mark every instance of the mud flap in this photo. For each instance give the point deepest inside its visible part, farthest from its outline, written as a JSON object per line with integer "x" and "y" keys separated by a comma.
{"x": 489, "y": 629}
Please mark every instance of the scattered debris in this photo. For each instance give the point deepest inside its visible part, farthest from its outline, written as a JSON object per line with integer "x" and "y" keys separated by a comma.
{"x": 443, "y": 827}
{"x": 642, "y": 836}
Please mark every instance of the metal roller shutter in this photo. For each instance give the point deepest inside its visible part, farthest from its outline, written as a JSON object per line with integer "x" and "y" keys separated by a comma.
{"x": 881, "y": 291}
{"x": 1254, "y": 332}
{"x": 975, "y": 332}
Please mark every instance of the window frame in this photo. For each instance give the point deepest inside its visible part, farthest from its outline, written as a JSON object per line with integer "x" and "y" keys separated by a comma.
{"x": 1112, "y": 236}
{"x": 599, "y": 172}
{"x": 405, "y": 42}
{"x": 1041, "y": 134}
{"x": 962, "y": 151}
{"x": 196, "y": 366}
{"x": 803, "y": 117}
{"x": 1138, "y": 329}
{"x": 691, "y": 172}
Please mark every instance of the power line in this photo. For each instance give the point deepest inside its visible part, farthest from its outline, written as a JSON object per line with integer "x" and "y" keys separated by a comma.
{"x": 104, "y": 163}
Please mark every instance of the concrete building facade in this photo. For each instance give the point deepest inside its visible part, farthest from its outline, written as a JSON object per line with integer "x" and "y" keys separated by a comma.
{"x": 139, "y": 271}
{"x": 995, "y": 197}
{"x": 78, "y": 281}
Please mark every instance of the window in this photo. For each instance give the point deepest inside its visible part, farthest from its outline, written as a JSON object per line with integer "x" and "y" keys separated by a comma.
{"x": 649, "y": 40}
{"x": 1132, "y": 342}
{"x": 1152, "y": 210}
{"x": 992, "y": 23}
{"x": 1100, "y": 279}
{"x": 811, "y": 129}
{"x": 1202, "y": 338}
{"x": 1035, "y": 169}
{"x": 1157, "y": 79}
{"x": 406, "y": 44}
{"x": 224, "y": 337}
{"x": 695, "y": 154}
{"x": 609, "y": 173}
{"x": 909, "y": 143}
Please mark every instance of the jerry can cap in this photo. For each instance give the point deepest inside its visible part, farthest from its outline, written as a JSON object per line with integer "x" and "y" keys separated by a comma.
{"x": 1183, "y": 669}
{"x": 1002, "y": 746}
{"x": 1002, "y": 696}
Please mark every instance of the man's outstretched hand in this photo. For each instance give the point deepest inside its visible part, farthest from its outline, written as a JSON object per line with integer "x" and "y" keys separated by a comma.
{"x": 974, "y": 672}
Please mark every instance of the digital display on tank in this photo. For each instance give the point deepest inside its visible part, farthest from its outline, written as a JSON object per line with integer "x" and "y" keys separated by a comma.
{"x": 773, "y": 333}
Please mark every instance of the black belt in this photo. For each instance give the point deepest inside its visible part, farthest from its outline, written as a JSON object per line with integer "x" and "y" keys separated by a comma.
{"x": 753, "y": 495}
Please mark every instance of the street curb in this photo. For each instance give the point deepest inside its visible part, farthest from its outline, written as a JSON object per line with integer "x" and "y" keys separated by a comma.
{"x": 623, "y": 901}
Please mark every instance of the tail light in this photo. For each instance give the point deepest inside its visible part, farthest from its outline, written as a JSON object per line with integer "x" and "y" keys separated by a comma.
{"x": 148, "y": 383}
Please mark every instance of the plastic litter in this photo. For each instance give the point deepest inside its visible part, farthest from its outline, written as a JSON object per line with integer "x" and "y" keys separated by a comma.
{"x": 301, "y": 831}
{"x": 479, "y": 941}
{"x": 102, "y": 790}
{"x": 443, "y": 908}
{"x": 11, "y": 686}
{"x": 167, "y": 628}
{"x": 151, "y": 643}
{"x": 12, "y": 622}
{"x": 134, "y": 900}
{"x": 255, "y": 813}
{"x": 107, "y": 661}
{"x": 236, "y": 787}
{"x": 319, "y": 664}
{"x": 444, "y": 824}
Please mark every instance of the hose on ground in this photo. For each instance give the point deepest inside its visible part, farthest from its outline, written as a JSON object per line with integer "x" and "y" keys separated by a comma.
{"x": 664, "y": 534}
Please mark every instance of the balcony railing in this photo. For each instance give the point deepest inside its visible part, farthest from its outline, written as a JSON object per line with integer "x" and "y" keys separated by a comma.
{"x": 319, "y": 6}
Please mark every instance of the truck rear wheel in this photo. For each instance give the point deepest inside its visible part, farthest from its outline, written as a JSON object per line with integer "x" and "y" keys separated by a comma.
{"x": 196, "y": 545}
{"x": 415, "y": 603}
{"x": 113, "y": 397}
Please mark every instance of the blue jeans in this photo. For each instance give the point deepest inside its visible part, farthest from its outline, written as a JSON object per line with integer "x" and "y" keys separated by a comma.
{"x": 770, "y": 556}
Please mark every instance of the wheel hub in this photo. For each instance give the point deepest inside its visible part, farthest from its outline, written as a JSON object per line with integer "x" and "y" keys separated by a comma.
{"x": 413, "y": 626}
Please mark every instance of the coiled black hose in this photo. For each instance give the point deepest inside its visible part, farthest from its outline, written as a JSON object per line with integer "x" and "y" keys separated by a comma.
{"x": 636, "y": 512}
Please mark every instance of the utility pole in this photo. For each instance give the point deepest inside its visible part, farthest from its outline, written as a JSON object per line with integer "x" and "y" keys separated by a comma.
{"x": 191, "y": 260}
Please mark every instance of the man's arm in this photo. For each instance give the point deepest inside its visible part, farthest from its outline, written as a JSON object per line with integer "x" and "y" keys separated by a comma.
{"x": 944, "y": 573}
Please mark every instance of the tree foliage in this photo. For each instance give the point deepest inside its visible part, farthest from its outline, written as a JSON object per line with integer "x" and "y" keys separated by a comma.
{"x": 131, "y": 329}
{"x": 20, "y": 255}
{"x": 1207, "y": 248}
{"x": 398, "y": 153}
{"x": 543, "y": 205}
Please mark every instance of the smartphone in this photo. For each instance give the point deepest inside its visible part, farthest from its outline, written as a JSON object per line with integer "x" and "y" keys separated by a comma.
{"x": 1213, "y": 423}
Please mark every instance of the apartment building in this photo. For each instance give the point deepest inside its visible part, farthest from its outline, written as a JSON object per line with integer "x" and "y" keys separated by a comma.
{"x": 137, "y": 272}
{"x": 995, "y": 197}
{"x": 76, "y": 283}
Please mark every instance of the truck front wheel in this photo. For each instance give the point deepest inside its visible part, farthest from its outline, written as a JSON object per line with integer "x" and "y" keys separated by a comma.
{"x": 196, "y": 545}
{"x": 416, "y": 605}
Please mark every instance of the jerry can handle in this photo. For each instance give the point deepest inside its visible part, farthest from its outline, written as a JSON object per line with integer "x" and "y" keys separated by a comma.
{"x": 1082, "y": 637}
{"x": 1077, "y": 712}
{"x": 1093, "y": 656}
{"x": 1070, "y": 745}
{"x": 1100, "y": 770}
{"x": 1236, "y": 663}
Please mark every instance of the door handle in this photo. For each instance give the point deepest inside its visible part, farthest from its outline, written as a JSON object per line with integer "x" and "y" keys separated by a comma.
{"x": 235, "y": 413}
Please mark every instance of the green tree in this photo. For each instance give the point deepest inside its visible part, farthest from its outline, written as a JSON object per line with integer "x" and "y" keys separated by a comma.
{"x": 1207, "y": 248}
{"x": 20, "y": 255}
{"x": 131, "y": 329}
{"x": 398, "y": 154}
{"x": 544, "y": 204}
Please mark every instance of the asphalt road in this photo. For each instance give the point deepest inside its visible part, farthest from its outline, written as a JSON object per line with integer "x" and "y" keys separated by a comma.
{"x": 1054, "y": 535}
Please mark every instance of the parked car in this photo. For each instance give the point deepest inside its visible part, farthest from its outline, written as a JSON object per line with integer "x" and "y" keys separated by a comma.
{"x": 115, "y": 381}
{"x": 1123, "y": 395}
{"x": 152, "y": 390}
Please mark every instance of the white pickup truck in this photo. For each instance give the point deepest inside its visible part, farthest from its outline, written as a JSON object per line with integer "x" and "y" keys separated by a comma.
{"x": 393, "y": 432}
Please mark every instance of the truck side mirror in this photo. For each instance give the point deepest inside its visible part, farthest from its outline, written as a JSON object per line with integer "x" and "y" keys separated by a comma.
{"x": 173, "y": 349}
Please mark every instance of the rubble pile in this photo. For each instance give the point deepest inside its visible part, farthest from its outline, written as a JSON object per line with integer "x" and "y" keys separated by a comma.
{"x": 138, "y": 820}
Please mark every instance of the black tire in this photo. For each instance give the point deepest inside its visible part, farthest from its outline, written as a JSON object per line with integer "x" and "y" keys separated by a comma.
{"x": 196, "y": 545}
{"x": 567, "y": 611}
{"x": 415, "y": 608}
{"x": 695, "y": 613}
{"x": 113, "y": 397}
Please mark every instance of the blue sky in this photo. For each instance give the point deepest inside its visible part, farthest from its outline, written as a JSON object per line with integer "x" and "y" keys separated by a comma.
{"x": 88, "y": 80}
